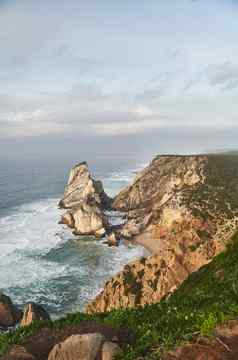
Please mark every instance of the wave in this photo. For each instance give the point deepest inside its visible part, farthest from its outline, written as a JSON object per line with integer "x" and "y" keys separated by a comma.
{"x": 42, "y": 261}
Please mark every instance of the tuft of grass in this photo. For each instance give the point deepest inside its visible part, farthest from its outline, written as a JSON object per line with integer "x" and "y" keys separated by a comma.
{"x": 207, "y": 298}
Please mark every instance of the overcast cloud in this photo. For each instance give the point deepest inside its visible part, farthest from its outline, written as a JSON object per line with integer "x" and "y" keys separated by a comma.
{"x": 109, "y": 68}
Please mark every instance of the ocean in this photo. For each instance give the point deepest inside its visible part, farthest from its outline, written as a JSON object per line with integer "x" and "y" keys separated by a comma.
{"x": 40, "y": 260}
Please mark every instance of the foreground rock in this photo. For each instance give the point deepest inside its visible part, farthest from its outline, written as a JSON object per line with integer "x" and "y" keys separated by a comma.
{"x": 110, "y": 350}
{"x": 34, "y": 312}
{"x": 19, "y": 353}
{"x": 78, "y": 347}
{"x": 85, "y": 347}
{"x": 9, "y": 313}
{"x": 41, "y": 345}
{"x": 184, "y": 209}
{"x": 85, "y": 200}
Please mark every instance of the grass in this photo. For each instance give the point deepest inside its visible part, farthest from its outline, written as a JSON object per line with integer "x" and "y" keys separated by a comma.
{"x": 207, "y": 298}
{"x": 217, "y": 194}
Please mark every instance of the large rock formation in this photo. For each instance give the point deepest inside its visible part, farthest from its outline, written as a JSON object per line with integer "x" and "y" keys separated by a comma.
{"x": 34, "y": 312}
{"x": 85, "y": 200}
{"x": 9, "y": 313}
{"x": 85, "y": 347}
{"x": 184, "y": 209}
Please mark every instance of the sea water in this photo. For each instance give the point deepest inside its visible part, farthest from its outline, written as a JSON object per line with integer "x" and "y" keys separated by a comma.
{"x": 40, "y": 260}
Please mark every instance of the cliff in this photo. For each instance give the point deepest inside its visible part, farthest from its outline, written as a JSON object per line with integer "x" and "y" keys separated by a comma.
{"x": 199, "y": 320}
{"x": 184, "y": 209}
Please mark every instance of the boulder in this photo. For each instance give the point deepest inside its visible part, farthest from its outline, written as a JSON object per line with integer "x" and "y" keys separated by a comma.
{"x": 89, "y": 220}
{"x": 112, "y": 239}
{"x": 110, "y": 350}
{"x": 34, "y": 312}
{"x": 19, "y": 353}
{"x": 9, "y": 313}
{"x": 78, "y": 347}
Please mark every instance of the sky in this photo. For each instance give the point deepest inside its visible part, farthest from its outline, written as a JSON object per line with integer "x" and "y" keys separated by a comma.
{"x": 142, "y": 76}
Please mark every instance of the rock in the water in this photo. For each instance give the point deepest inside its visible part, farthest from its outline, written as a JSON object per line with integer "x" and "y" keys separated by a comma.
{"x": 112, "y": 239}
{"x": 34, "y": 312}
{"x": 85, "y": 200}
{"x": 82, "y": 188}
{"x": 110, "y": 350}
{"x": 9, "y": 314}
{"x": 78, "y": 347}
{"x": 88, "y": 220}
{"x": 67, "y": 219}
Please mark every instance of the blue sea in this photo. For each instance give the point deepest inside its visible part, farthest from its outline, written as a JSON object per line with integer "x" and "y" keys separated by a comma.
{"x": 40, "y": 260}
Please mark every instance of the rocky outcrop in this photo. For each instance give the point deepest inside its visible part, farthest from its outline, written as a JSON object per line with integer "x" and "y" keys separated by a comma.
{"x": 86, "y": 201}
{"x": 113, "y": 239}
{"x": 85, "y": 347}
{"x": 19, "y": 353}
{"x": 184, "y": 209}
{"x": 34, "y": 312}
{"x": 81, "y": 188}
{"x": 9, "y": 313}
{"x": 40, "y": 345}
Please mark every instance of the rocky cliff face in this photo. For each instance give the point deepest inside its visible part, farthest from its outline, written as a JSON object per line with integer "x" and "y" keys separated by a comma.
{"x": 85, "y": 200}
{"x": 184, "y": 209}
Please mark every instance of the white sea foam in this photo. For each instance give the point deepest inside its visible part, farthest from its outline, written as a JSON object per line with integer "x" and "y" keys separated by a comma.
{"x": 41, "y": 261}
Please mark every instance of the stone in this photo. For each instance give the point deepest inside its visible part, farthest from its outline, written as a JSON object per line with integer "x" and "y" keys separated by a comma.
{"x": 34, "y": 312}
{"x": 68, "y": 219}
{"x": 110, "y": 350}
{"x": 112, "y": 239}
{"x": 100, "y": 233}
{"x": 19, "y": 353}
{"x": 86, "y": 201}
{"x": 10, "y": 315}
{"x": 88, "y": 220}
{"x": 78, "y": 347}
{"x": 82, "y": 188}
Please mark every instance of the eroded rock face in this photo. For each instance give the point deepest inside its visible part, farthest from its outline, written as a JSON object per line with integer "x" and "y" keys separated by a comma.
{"x": 78, "y": 347}
{"x": 33, "y": 312}
{"x": 85, "y": 200}
{"x": 81, "y": 188}
{"x": 89, "y": 220}
{"x": 9, "y": 313}
{"x": 184, "y": 209}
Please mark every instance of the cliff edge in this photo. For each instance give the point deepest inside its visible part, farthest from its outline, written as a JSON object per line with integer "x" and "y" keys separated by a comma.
{"x": 184, "y": 209}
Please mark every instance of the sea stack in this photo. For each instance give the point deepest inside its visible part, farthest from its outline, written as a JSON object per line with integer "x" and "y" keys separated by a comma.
{"x": 85, "y": 201}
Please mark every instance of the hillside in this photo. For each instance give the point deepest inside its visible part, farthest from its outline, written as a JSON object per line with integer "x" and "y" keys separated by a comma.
{"x": 184, "y": 209}
{"x": 207, "y": 298}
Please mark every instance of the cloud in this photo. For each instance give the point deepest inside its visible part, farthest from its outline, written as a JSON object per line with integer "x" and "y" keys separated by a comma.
{"x": 85, "y": 68}
{"x": 221, "y": 76}
{"x": 90, "y": 110}
{"x": 225, "y": 75}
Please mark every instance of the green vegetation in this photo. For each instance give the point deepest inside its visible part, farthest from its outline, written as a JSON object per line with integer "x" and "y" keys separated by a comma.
{"x": 207, "y": 298}
{"x": 132, "y": 285}
{"x": 218, "y": 195}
